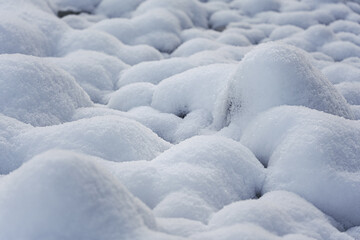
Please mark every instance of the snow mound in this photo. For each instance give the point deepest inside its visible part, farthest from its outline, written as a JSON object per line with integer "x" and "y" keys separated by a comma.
{"x": 340, "y": 72}
{"x": 62, "y": 195}
{"x": 110, "y": 137}
{"x": 185, "y": 92}
{"x": 9, "y": 127}
{"x": 252, "y": 7}
{"x": 274, "y": 74}
{"x": 164, "y": 125}
{"x": 94, "y": 40}
{"x": 37, "y": 92}
{"x": 311, "y": 153}
{"x": 75, "y": 6}
{"x": 215, "y": 170}
{"x": 154, "y": 72}
{"x": 185, "y": 10}
{"x": 180, "y": 226}
{"x": 228, "y": 119}
{"x": 350, "y": 91}
{"x": 132, "y": 95}
{"x": 28, "y": 30}
{"x": 96, "y": 73}
{"x": 341, "y": 50}
{"x": 280, "y": 213}
{"x": 158, "y": 28}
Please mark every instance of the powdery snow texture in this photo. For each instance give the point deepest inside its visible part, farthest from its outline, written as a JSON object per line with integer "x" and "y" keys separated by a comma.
{"x": 179, "y": 119}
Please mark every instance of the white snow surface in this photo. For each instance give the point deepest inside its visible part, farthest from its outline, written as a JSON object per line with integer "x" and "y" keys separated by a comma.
{"x": 180, "y": 119}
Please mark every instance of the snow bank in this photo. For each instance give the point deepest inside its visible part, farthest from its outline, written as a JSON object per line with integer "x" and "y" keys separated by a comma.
{"x": 311, "y": 153}
{"x": 274, "y": 74}
{"x": 62, "y": 195}
{"x": 37, "y": 92}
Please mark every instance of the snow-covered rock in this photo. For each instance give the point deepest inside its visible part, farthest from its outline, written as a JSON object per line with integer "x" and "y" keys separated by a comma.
{"x": 275, "y": 74}
{"x": 62, "y": 195}
{"x": 210, "y": 170}
{"x": 311, "y": 153}
{"x": 35, "y": 91}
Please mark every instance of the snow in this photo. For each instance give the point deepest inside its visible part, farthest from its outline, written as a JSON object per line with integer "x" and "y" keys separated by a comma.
{"x": 97, "y": 73}
{"x": 252, "y": 7}
{"x": 38, "y": 92}
{"x": 154, "y": 71}
{"x": 218, "y": 170}
{"x": 280, "y": 213}
{"x": 179, "y": 119}
{"x": 113, "y": 138}
{"x": 316, "y": 151}
{"x": 81, "y": 198}
{"x": 169, "y": 95}
{"x": 132, "y": 95}
{"x": 286, "y": 77}
{"x": 94, "y": 40}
